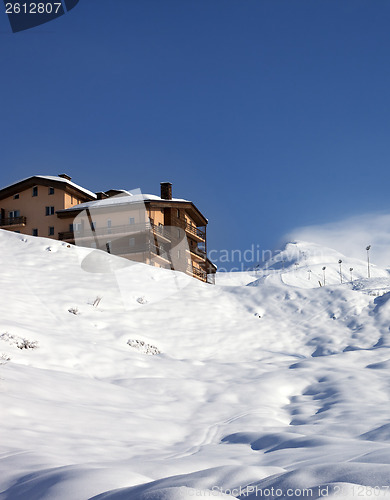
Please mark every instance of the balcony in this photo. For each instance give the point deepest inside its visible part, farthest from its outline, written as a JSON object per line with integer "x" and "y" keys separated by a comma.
{"x": 193, "y": 230}
{"x": 13, "y": 221}
{"x": 162, "y": 231}
{"x": 201, "y": 275}
{"x": 127, "y": 229}
{"x": 67, "y": 235}
{"x": 198, "y": 254}
{"x": 197, "y": 273}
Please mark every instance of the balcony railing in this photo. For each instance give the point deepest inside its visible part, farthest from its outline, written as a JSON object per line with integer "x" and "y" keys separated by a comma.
{"x": 127, "y": 229}
{"x": 199, "y": 252}
{"x": 201, "y": 274}
{"x": 13, "y": 221}
{"x": 198, "y": 273}
{"x": 162, "y": 231}
{"x": 67, "y": 235}
{"x": 193, "y": 230}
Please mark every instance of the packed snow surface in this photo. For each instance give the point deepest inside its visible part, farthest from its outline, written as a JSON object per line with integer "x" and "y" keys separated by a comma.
{"x": 122, "y": 381}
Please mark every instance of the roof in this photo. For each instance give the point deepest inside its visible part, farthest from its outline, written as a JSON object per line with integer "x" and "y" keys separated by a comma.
{"x": 54, "y": 179}
{"x": 124, "y": 199}
{"x": 129, "y": 198}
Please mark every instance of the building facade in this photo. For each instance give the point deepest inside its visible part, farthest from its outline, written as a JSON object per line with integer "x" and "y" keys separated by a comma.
{"x": 159, "y": 230}
{"x": 29, "y": 206}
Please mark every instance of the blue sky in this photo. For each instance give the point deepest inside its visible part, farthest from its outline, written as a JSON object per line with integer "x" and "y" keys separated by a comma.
{"x": 268, "y": 114}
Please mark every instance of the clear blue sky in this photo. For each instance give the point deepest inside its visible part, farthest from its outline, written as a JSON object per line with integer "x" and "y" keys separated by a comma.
{"x": 268, "y": 114}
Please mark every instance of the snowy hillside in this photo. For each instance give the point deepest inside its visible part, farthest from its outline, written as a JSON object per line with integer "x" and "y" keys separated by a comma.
{"x": 129, "y": 382}
{"x": 302, "y": 264}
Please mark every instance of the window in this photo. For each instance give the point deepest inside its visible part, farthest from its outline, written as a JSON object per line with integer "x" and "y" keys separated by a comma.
{"x": 109, "y": 228}
{"x": 35, "y": 232}
{"x": 49, "y": 210}
{"x": 51, "y": 190}
{"x": 51, "y": 230}
{"x": 13, "y": 214}
{"x": 178, "y": 214}
{"x": 132, "y": 220}
{"x": 178, "y": 233}
{"x": 16, "y": 196}
{"x": 35, "y": 191}
{"x": 132, "y": 242}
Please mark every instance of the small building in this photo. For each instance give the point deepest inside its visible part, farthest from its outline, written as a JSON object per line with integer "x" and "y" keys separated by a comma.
{"x": 29, "y": 206}
{"x": 159, "y": 230}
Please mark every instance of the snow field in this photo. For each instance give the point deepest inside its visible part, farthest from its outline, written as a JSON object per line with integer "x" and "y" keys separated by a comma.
{"x": 280, "y": 384}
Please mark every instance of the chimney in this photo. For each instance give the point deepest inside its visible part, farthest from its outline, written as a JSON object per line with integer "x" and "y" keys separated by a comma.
{"x": 101, "y": 195}
{"x": 166, "y": 190}
{"x": 65, "y": 176}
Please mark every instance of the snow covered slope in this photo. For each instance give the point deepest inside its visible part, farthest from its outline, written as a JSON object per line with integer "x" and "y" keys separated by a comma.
{"x": 301, "y": 264}
{"x": 141, "y": 383}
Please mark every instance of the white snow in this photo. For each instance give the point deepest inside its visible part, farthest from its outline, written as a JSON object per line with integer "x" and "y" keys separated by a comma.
{"x": 281, "y": 386}
{"x": 124, "y": 198}
{"x": 351, "y": 235}
{"x": 54, "y": 178}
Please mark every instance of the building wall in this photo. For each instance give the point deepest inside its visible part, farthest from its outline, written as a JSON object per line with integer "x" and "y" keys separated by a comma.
{"x": 71, "y": 200}
{"x": 157, "y": 216}
{"x": 34, "y": 209}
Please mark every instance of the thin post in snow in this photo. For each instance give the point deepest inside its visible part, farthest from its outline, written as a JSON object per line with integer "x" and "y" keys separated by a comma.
{"x": 341, "y": 276}
{"x": 368, "y": 260}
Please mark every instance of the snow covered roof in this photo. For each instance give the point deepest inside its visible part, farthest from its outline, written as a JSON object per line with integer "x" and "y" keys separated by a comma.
{"x": 124, "y": 199}
{"x": 56, "y": 179}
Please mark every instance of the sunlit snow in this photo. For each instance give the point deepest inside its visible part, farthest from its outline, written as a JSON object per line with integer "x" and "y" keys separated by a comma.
{"x": 273, "y": 386}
